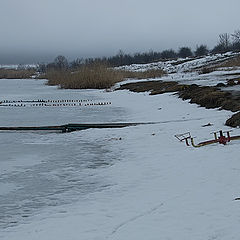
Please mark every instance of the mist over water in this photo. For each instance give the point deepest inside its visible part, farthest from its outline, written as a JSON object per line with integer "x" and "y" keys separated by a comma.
{"x": 38, "y": 31}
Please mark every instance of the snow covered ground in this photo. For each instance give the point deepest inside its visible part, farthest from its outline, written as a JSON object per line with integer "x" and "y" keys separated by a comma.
{"x": 186, "y": 71}
{"x": 129, "y": 183}
{"x": 16, "y": 66}
{"x": 182, "y": 64}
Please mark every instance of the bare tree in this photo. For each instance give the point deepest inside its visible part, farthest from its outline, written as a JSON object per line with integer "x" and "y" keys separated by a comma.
{"x": 224, "y": 41}
{"x": 61, "y": 62}
{"x": 236, "y": 36}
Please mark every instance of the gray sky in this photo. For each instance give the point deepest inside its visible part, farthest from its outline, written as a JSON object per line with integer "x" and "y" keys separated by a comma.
{"x": 39, "y": 30}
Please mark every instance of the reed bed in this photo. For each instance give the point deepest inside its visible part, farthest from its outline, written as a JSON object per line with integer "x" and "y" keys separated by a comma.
{"x": 95, "y": 76}
{"x": 16, "y": 73}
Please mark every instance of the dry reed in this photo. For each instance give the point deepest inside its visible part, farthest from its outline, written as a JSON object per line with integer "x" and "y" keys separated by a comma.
{"x": 96, "y": 76}
{"x": 16, "y": 73}
{"x": 233, "y": 62}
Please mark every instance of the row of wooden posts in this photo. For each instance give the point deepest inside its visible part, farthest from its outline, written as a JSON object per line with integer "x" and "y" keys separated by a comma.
{"x": 52, "y": 103}
{"x": 47, "y": 101}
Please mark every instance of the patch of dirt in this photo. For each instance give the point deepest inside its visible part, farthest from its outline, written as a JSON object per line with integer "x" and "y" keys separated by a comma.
{"x": 232, "y": 82}
{"x": 231, "y": 62}
{"x": 206, "y": 70}
{"x": 183, "y": 61}
{"x": 210, "y": 97}
{"x": 231, "y": 74}
{"x": 155, "y": 87}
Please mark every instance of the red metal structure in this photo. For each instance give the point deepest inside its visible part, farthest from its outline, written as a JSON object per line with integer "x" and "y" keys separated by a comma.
{"x": 219, "y": 137}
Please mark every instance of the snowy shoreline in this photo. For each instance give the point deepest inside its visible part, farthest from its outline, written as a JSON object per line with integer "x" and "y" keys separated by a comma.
{"x": 137, "y": 182}
{"x": 154, "y": 187}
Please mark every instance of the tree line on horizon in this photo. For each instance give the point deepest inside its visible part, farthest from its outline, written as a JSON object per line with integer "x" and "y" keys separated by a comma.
{"x": 226, "y": 42}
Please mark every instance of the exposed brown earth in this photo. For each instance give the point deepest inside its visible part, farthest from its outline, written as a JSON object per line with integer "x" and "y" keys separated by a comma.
{"x": 234, "y": 121}
{"x": 205, "y": 96}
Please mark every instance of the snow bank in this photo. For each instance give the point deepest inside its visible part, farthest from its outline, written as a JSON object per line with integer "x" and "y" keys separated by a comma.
{"x": 186, "y": 70}
{"x": 181, "y": 64}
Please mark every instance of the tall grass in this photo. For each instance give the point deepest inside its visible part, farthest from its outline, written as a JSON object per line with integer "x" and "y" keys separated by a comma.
{"x": 16, "y": 73}
{"x": 151, "y": 73}
{"x": 94, "y": 76}
{"x": 234, "y": 62}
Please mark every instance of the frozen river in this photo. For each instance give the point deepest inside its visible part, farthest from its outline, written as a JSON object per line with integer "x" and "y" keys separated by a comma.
{"x": 136, "y": 182}
{"x": 38, "y": 170}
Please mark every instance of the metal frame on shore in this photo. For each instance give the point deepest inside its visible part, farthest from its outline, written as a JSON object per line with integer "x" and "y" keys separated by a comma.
{"x": 219, "y": 137}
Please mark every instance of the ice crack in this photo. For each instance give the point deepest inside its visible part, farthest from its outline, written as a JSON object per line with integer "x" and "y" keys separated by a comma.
{"x": 116, "y": 229}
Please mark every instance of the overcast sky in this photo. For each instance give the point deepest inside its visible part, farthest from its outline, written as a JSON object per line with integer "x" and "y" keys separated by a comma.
{"x": 39, "y": 30}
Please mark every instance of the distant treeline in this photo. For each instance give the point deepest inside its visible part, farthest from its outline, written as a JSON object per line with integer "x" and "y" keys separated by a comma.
{"x": 226, "y": 42}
